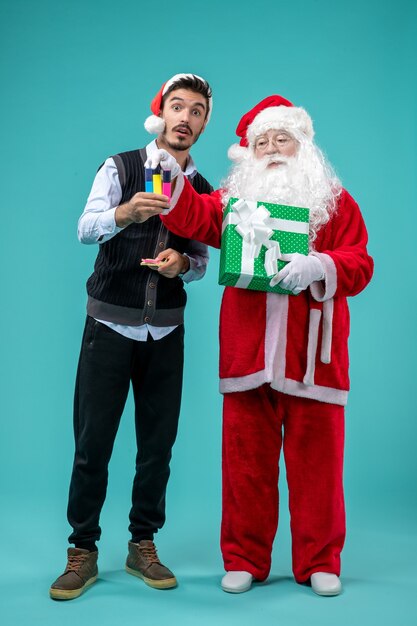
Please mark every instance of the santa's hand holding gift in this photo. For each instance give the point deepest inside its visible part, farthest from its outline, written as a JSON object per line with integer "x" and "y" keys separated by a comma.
{"x": 284, "y": 358}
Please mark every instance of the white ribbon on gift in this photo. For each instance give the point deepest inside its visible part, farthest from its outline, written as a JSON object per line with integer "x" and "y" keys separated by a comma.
{"x": 256, "y": 226}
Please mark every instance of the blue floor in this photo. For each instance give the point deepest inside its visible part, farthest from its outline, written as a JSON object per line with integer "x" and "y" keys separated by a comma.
{"x": 379, "y": 578}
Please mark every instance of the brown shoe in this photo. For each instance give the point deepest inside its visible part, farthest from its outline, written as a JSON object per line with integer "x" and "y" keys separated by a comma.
{"x": 143, "y": 561}
{"x": 80, "y": 573}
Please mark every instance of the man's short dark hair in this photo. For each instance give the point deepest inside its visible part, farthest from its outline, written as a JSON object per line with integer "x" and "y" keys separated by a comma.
{"x": 193, "y": 84}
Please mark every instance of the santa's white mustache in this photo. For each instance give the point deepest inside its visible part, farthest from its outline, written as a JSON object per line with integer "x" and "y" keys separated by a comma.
{"x": 272, "y": 158}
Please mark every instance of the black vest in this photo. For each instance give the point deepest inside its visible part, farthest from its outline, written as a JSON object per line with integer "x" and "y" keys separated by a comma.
{"x": 120, "y": 290}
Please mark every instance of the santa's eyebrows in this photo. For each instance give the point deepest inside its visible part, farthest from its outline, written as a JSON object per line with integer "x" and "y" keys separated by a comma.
{"x": 194, "y": 104}
{"x": 276, "y": 132}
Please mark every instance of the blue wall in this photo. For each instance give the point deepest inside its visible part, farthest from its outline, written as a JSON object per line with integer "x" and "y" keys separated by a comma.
{"x": 77, "y": 79}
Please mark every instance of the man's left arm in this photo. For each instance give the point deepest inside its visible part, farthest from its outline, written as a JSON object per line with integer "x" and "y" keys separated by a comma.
{"x": 198, "y": 256}
{"x": 191, "y": 265}
{"x": 97, "y": 223}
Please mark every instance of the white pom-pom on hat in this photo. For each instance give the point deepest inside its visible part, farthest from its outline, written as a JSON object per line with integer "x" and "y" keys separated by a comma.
{"x": 154, "y": 124}
{"x": 237, "y": 153}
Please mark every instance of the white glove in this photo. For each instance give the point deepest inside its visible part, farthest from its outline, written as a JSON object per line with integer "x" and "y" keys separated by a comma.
{"x": 165, "y": 160}
{"x": 299, "y": 273}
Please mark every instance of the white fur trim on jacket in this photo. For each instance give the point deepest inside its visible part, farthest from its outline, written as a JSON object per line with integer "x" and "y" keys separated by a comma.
{"x": 179, "y": 186}
{"x": 313, "y": 337}
{"x": 275, "y": 356}
{"x": 323, "y": 290}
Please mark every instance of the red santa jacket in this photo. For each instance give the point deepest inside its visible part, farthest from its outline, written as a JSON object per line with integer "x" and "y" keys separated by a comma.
{"x": 298, "y": 344}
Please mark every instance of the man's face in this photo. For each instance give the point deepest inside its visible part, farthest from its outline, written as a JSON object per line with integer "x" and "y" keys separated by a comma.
{"x": 275, "y": 143}
{"x": 184, "y": 114}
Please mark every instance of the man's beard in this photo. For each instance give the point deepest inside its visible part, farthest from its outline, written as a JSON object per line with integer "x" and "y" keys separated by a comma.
{"x": 181, "y": 145}
{"x": 305, "y": 180}
{"x": 177, "y": 146}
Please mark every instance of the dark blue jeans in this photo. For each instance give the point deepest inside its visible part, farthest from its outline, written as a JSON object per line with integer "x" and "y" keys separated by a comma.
{"x": 108, "y": 364}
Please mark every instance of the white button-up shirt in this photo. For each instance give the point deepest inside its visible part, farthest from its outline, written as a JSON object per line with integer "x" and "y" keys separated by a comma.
{"x": 97, "y": 224}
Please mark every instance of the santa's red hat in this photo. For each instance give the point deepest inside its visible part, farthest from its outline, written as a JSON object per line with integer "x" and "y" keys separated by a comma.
{"x": 154, "y": 124}
{"x": 272, "y": 112}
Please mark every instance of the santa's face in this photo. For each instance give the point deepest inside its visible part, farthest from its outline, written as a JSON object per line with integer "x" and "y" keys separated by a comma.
{"x": 275, "y": 142}
{"x": 184, "y": 114}
{"x": 282, "y": 169}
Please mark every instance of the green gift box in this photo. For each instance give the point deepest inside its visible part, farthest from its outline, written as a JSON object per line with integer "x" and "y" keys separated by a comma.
{"x": 256, "y": 238}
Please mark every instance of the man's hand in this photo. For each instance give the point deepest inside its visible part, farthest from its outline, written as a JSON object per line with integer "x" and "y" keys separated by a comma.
{"x": 299, "y": 273}
{"x": 173, "y": 263}
{"x": 140, "y": 208}
{"x": 165, "y": 160}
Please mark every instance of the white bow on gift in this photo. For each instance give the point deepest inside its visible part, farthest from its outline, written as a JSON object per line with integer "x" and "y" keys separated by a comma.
{"x": 256, "y": 227}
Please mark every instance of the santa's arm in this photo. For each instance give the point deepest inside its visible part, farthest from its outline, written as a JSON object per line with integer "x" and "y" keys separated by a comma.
{"x": 193, "y": 215}
{"x": 347, "y": 265}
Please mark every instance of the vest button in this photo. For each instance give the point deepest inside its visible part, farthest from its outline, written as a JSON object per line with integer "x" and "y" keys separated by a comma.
{"x": 147, "y": 319}
{"x": 152, "y": 285}
{"x": 150, "y": 303}
{"x": 162, "y": 244}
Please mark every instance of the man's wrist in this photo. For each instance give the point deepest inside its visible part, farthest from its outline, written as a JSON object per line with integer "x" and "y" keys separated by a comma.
{"x": 185, "y": 264}
{"x": 121, "y": 215}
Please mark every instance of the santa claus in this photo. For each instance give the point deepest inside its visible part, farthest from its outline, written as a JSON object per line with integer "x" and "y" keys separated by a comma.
{"x": 283, "y": 358}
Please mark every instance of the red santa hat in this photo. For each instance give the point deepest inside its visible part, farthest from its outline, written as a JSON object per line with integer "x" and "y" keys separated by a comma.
{"x": 272, "y": 112}
{"x": 154, "y": 124}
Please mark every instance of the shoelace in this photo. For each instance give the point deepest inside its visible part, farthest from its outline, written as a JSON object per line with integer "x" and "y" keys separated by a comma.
{"x": 75, "y": 561}
{"x": 149, "y": 553}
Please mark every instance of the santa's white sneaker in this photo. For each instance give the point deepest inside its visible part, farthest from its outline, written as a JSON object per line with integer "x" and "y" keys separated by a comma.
{"x": 237, "y": 582}
{"x": 325, "y": 584}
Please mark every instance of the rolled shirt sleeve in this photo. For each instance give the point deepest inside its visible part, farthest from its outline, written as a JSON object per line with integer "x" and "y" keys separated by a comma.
{"x": 198, "y": 255}
{"x": 97, "y": 223}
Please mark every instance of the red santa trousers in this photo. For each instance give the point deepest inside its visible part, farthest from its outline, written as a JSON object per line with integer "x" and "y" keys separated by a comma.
{"x": 255, "y": 425}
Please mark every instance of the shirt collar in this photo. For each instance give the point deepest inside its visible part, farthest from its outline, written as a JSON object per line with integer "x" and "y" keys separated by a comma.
{"x": 190, "y": 169}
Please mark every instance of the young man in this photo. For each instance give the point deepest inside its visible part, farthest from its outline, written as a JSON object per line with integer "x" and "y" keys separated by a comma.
{"x": 133, "y": 335}
{"x": 284, "y": 358}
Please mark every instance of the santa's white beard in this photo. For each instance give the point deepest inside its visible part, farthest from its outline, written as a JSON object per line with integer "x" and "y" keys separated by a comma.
{"x": 305, "y": 180}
